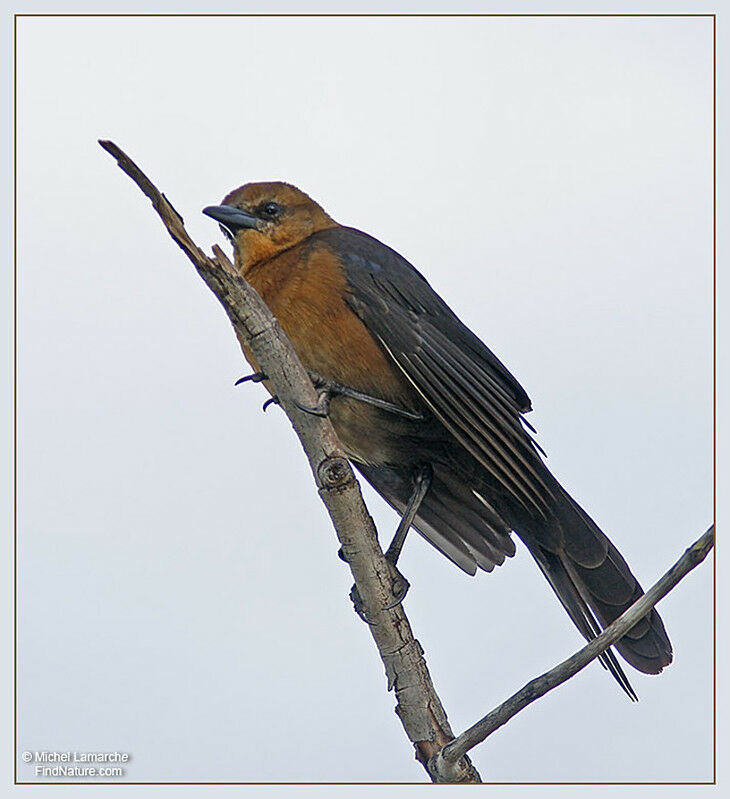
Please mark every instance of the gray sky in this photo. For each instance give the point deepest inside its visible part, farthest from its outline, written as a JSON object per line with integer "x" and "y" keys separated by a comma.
{"x": 180, "y": 594}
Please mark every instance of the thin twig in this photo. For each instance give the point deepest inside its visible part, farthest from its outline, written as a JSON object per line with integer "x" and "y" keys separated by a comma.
{"x": 418, "y": 706}
{"x": 442, "y": 764}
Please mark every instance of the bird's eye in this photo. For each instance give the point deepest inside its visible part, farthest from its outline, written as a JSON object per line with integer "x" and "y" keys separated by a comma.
{"x": 271, "y": 209}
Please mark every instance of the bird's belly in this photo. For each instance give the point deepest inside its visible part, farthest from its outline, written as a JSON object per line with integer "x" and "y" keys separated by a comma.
{"x": 375, "y": 437}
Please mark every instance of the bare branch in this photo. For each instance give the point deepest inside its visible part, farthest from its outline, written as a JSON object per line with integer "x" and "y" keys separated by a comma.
{"x": 442, "y": 764}
{"x": 418, "y": 706}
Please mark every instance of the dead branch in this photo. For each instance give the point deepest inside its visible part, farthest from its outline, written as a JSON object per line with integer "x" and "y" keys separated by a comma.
{"x": 417, "y": 704}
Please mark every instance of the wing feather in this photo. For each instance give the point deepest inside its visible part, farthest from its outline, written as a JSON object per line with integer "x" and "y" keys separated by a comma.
{"x": 462, "y": 382}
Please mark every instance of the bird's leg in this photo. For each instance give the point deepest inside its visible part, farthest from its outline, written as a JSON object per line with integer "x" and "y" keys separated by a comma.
{"x": 330, "y": 388}
{"x": 422, "y": 478}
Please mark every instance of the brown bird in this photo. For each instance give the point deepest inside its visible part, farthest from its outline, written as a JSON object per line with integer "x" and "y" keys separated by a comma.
{"x": 427, "y": 413}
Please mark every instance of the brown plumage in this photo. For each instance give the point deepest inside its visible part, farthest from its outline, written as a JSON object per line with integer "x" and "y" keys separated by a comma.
{"x": 437, "y": 425}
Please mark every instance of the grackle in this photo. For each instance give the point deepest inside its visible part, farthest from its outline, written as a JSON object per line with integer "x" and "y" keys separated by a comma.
{"x": 427, "y": 413}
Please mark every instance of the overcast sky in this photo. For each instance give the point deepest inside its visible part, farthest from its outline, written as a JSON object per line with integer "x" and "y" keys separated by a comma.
{"x": 180, "y": 594}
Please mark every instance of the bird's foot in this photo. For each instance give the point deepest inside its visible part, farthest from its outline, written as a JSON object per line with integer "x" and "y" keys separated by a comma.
{"x": 322, "y": 408}
{"x": 399, "y": 588}
{"x": 330, "y": 388}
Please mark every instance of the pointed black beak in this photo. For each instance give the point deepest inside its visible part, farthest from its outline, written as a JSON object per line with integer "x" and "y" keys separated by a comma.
{"x": 234, "y": 219}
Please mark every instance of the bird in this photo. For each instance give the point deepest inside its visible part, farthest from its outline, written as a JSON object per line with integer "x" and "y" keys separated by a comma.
{"x": 426, "y": 412}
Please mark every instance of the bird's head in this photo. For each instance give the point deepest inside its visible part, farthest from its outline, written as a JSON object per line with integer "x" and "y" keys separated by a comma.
{"x": 263, "y": 219}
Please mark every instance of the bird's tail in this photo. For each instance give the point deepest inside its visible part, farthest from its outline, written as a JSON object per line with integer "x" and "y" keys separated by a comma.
{"x": 595, "y": 585}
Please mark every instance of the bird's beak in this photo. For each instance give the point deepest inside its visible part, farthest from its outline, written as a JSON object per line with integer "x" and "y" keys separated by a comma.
{"x": 234, "y": 219}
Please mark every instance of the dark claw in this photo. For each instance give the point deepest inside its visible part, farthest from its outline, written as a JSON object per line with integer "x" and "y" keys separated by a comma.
{"x": 358, "y": 604}
{"x": 322, "y": 408}
{"x": 399, "y": 587}
{"x": 269, "y": 401}
{"x": 256, "y": 377}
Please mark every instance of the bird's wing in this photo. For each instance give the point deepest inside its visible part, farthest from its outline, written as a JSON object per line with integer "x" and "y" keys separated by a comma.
{"x": 476, "y": 398}
{"x": 461, "y": 381}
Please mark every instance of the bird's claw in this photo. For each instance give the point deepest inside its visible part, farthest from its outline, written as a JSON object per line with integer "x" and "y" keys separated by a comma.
{"x": 270, "y": 401}
{"x": 256, "y": 377}
{"x": 358, "y": 605}
{"x": 399, "y": 589}
{"x": 321, "y": 409}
